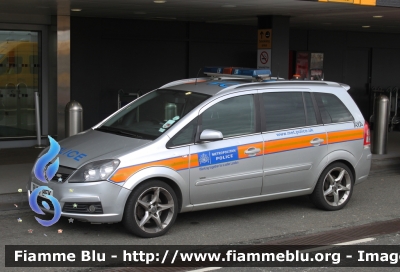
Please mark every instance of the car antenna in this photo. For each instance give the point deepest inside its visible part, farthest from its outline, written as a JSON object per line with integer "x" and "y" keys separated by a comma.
{"x": 197, "y": 76}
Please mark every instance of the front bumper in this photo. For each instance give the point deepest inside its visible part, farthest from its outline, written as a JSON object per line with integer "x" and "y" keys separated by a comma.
{"x": 111, "y": 196}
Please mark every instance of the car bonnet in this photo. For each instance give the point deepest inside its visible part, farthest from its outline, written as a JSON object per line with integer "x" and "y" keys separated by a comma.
{"x": 91, "y": 145}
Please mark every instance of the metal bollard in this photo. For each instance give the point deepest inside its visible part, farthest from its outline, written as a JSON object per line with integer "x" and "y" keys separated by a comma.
{"x": 73, "y": 118}
{"x": 380, "y": 134}
{"x": 38, "y": 128}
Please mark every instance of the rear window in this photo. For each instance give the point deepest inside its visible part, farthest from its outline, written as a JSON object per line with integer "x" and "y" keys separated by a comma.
{"x": 332, "y": 109}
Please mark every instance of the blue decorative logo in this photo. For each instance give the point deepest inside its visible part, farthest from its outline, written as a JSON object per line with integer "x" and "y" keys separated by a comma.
{"x": 44, "y": 171}
{"x": 35, "y": 207}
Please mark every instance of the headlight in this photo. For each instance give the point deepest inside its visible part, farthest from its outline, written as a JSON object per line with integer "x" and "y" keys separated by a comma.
{"x": 95, "y": 171}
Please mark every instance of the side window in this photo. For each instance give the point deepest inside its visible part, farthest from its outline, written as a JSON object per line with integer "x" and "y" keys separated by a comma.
{"x": 332, "y": 109}
{"x": 185, "y": 136}
{"x": 233, "y": 116}
{"x": 283, "y": 110}
{"x": 311, "y": 117}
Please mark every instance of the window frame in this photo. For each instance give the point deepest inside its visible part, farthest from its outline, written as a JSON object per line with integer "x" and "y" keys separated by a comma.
{"x": 316, "y": 110}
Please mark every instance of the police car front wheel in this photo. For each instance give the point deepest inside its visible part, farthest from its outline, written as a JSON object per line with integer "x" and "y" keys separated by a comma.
{"x": 151, "y": 209}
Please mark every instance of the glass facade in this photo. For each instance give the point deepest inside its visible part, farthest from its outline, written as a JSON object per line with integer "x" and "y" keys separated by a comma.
{"x": 19, "y": 80}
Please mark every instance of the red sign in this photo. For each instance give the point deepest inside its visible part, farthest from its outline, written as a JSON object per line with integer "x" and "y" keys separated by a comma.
{"x": 264, "y": 57}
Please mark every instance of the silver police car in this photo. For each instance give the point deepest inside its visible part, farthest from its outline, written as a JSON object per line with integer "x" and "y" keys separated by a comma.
{"x": 231, "y": 138}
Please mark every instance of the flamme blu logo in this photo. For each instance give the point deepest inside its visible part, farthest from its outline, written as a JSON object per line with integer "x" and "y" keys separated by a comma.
{"x": 44, "y": 171}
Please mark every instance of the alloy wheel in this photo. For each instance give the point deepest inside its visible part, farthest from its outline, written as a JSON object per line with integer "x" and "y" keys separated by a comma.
{"x": 154, "y": 209}
{"x": 337, "y": 186}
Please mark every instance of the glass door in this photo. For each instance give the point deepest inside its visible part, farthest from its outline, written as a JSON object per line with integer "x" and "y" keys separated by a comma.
{"x": 19, "y": 80}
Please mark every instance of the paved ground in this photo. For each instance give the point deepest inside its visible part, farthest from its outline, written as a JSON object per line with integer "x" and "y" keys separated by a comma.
{"x": 15, "y": 166}
{"x": 373, "y": 200}
{"x": 392, "y": 239}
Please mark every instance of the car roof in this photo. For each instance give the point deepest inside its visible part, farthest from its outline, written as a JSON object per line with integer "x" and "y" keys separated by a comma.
{"x": 213, "y": 86}
{"x": 207, "y": 86}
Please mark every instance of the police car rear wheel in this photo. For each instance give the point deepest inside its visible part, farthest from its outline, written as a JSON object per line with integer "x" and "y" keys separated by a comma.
{"x": 334, "y": 187}
{"x": 151, "y": 209}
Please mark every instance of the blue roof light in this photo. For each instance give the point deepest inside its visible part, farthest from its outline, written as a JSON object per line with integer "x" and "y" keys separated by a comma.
{"x": 216, "y": 70}
{"x": 251, "y": 72}
{"x": 238, "y": 72}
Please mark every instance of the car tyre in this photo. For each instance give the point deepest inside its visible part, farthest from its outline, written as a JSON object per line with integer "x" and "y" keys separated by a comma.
{"x": 151, "y": 209}
{"x": 334, "y": 187}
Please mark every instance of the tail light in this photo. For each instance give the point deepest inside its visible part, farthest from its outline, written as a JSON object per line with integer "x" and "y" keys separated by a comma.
{"x": 367, "y": 134}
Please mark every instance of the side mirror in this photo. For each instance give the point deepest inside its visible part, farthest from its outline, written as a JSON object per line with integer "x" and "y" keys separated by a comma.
{"x": 210, "y": 135}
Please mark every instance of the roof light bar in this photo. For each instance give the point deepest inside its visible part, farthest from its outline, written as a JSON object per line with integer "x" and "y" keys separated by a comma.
{"x": 252, "y": 72}
{"x": 214, "y": 70}
{"x": 237, "y": 72}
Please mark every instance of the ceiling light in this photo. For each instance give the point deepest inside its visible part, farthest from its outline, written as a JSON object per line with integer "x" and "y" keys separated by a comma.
{"x": 159, "y": 1}
{"x": 229, "y": 6}
{"x": 366, "y": 26}
{"x": 76, "y": 9}
{"x": 377, "y": 16}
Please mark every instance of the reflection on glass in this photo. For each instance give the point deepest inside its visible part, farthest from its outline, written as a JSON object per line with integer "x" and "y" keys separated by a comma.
{"x": 316, "y": 66}
{"x": 19, "y": 71}
{"x": 302, "y": 65}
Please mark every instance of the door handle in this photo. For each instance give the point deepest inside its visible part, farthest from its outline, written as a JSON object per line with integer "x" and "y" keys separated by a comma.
{"x": 316, "y": 141}
{"x": 252, "y": 151}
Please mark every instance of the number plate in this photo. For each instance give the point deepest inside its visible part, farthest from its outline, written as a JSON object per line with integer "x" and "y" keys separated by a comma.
{"x": 42, "y": 193}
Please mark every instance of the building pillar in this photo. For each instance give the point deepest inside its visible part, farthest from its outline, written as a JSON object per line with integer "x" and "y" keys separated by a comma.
{"x": 273, "y": 44}
{"x": 63, "y": 71}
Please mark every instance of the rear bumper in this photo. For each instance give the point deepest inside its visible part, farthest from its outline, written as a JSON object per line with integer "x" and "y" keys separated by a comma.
{"x": 363, "y": 166}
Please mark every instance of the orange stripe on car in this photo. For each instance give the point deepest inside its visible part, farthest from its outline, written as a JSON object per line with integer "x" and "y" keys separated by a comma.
{"x": 345, "y": 135}
{"x": 287, "y": 144}
{"x": 177, "y": 164}
{"x": 194, "y": 161}
{"x": 274, "y": 146}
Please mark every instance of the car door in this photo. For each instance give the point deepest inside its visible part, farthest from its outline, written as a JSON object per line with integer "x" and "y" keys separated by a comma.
{"x": 295, "y": 141}
{"x": 232, "y": 167}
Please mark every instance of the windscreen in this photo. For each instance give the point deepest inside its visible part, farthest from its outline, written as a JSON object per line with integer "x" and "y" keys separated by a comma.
{"x": 151, "y": 115}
